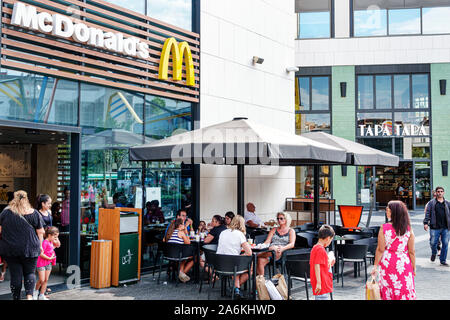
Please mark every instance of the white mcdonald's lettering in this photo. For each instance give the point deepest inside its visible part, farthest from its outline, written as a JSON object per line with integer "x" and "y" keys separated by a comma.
{"x": 63, "y": 26}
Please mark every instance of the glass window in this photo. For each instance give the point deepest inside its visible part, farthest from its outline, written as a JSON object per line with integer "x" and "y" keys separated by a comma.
{"x": 367, "y": 123}
{"x": 420, "y": 90}
{"x": 304, "y": 181}
{"x": 175, "y": 12}
{"x": 133, "y": 5}
{"x": 412, "y": 148}
{"x": 412, "y": 123}
{"x": 370, "y": 22}
{"x": 314, "y": 25}
{"x": 423, "y": 183}
{"x": 28, "y": 97}
{"x": 435, "y": 20}
{"x": 320, "y": 93}
{"x": 313, "y": 122}
{"x": 404, "y": 21}
{"x": 165, "y": 117}
{"x": 365, "y": 92}
{"x": 381, "y": 144}
{"x": 401, "y": 92}
{"x": 304, "y": 93}
{"x": 383, "y": 92}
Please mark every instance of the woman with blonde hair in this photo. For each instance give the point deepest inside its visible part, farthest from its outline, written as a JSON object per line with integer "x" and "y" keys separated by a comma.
{"x": 279, "y": 239}
{"x": 21, "y": 242}
{"x": 232, "y": 241}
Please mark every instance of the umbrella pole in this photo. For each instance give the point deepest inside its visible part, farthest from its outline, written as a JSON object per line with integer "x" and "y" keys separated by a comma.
{"x": 240, "y": 189}
{"x": 316, "y": 196}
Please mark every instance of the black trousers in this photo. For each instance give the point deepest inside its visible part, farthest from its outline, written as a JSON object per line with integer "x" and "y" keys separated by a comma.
{"x": 21, "y": 267}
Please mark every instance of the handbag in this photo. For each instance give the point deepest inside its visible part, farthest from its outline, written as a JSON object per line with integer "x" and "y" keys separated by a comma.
{"x": 372, "y": 289}
{"x": 280, "y": 284}
{"x": 273, "y": 292}
{"x": 263, "y": 294}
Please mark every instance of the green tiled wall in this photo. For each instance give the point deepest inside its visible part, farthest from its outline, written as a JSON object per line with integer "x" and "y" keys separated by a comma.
{"x": 440, "y": 120}
{"x": 343, "y": 125}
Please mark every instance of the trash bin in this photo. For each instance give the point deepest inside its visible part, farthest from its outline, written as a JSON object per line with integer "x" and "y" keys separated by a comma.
{"x": 101, "y": 253}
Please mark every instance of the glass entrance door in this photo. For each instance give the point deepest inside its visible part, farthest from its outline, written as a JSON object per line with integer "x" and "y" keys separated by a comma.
{"x": 395, "y": 183}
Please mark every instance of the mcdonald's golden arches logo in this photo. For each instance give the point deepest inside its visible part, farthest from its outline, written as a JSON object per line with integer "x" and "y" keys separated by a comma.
{"x": 179, "y": 51}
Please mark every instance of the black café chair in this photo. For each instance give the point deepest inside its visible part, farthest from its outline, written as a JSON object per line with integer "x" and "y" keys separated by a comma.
{"x": 306, "y": 239}
{"x": 209, "y": 251}
{"x": 260, "y": 238}
{"x": 291, "y": 254}
{"x": 372, "y": 247}
{"x": 175, "y": 253}
{"x": 352, "y": 253}
{"x": 225, "y": 266}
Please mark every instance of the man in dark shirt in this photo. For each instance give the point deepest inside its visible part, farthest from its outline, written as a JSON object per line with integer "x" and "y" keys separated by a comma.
{"x": 437, "y": 216}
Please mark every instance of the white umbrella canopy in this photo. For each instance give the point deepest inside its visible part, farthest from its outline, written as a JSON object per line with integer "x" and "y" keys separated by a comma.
{"x": 361, "y": 155}
{"x": 239, "y": 141}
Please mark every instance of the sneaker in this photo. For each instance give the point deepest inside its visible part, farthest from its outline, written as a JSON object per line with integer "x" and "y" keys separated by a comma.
{"x": 433, "y": 257}
{"x": 35, "y": 294}
{"x": 42, "y": 297}
{"x": 444, "y": 264}
{"x": 237, "y": 293}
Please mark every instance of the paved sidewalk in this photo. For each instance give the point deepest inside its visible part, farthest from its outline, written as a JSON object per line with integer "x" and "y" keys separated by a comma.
{"x": 432, "y": 280}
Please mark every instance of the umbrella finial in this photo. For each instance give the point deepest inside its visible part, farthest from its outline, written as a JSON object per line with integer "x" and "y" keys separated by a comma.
{"x": 240, "y": 118}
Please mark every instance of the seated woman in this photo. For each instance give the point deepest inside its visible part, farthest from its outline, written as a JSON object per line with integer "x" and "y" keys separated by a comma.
{"x": 218, "y": 227}
{"x": 279, "y": 239}
{"x": 202, "y": 227}
{"x": 176, "y": 234}
{"x": 232, "y": 241}
{"x": 228, "y": 218}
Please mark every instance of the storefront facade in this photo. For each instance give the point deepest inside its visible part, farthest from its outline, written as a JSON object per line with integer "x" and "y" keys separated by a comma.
{"x": 98, "y": 78}
{"x": 387, "y": 65}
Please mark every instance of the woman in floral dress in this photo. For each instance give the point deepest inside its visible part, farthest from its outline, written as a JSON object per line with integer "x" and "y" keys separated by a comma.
{"x": 396, "y": 255}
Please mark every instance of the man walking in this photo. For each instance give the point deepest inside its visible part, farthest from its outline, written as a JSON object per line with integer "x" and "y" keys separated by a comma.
{"x": 437, "y": 217}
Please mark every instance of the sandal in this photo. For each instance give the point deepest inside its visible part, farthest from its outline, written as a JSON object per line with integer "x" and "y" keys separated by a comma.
{"x": 2, "y": 276}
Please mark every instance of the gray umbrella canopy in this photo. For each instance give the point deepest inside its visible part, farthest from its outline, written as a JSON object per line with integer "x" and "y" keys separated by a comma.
{"x": 239, "y": 141}
{"x": 361, "y": 155}
{"x": 113, "y": 139}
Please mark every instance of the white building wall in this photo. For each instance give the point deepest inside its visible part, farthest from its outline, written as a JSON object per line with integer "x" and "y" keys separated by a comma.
{"x": 373, "y": 50}
{"x": 232, "y": 32}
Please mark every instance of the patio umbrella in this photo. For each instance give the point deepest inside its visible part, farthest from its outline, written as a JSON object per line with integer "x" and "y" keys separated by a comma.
{"x": 239, "y": 142}
{"x": 113, "y": 139}
{"x": 357, "y": 155}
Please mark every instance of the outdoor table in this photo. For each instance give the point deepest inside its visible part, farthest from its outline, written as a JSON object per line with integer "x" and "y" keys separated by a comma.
{"x": 197, "y": 245}
{"x": 255, "y": 253}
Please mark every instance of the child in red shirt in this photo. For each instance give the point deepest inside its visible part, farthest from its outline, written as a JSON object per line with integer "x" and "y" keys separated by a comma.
{"x": 320, "y": 275}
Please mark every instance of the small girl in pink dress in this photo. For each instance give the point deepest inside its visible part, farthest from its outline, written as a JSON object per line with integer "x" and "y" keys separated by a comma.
{"x": 396, "y": 255}
{"x": 45, "y": 262}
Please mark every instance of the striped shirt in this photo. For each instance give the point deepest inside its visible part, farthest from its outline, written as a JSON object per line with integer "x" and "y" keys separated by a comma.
{"x": 174, "y": 238}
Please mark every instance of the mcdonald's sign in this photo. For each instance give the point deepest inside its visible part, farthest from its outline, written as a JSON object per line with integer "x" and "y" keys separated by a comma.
{"x": 179, "y": 51}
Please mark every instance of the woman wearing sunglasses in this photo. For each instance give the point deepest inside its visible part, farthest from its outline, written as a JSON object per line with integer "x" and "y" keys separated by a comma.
{"x": 280, "y": 239}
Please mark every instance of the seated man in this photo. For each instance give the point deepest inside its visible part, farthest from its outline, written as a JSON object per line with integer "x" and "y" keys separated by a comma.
{"x": 251, "y": 219}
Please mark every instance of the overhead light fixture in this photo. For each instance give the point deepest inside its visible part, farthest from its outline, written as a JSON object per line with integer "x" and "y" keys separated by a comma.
{"x": 444, "y": 164}
{"x": 442, "y": 86}
{"x": 343, "y": 89}
{"x": 292, "y": 69}
{"x": 257, "y": 60}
